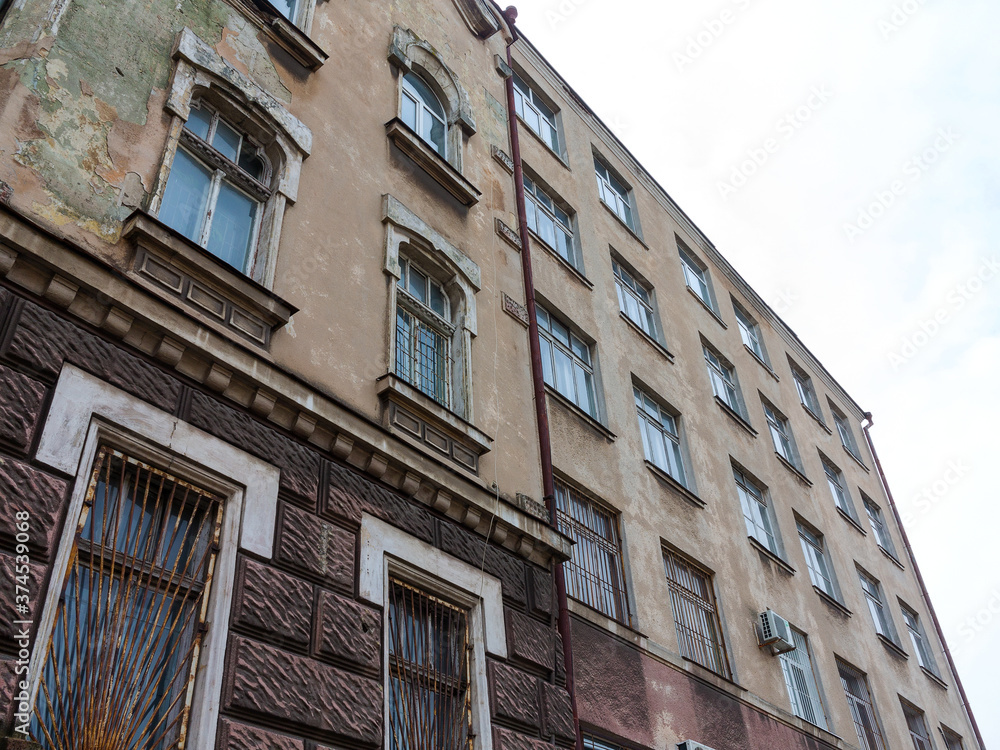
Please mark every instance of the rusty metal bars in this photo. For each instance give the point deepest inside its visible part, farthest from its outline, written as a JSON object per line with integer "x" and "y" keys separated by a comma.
{"x": 422, "y": 356}
{"x": 123, "y": 653}
{"x": 699, "y": 633}
{"x": 430, "y": 702}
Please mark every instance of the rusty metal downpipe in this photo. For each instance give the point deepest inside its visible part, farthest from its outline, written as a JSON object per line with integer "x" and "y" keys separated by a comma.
{"x": 538, "y": 383}
{"x": 920, "y": 581}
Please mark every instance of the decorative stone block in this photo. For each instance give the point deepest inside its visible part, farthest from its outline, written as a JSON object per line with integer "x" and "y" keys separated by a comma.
{"x": 515, "y": 695}
{"x": 515, "y": 309}
{"x": 348, "y": 631}
{"x": 235, "y": 736}
{"x": 530, "y": 640}
{"x": 274, "y": 604}
{"x": 467, "y": 546}
{"x": 268, "y": 682}
{"x": 509, "y": 235}
{"x": 542, "y": 591}
{"x": 558, "y": 711}
{"x": 25, "y": 488}
{"x": 21, "y": 401}
{"x": 506, "y": 739}
{"x": 316, "y": 546}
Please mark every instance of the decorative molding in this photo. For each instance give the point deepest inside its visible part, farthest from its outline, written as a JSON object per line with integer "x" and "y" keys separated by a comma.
{"x": 432, "y": 162}
{"x": 508, "y": 234}
{"x": 500, "y": 156}
{"x": 515, "y": 309}
{"x": 531, "y": 506}
{"x": 478, "y": 17}
{"x": 501, "y": 67}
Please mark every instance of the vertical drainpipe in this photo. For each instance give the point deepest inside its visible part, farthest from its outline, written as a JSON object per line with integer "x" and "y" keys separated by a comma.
{"x": 538, "y": 383}
{"x": 920, "y": 581}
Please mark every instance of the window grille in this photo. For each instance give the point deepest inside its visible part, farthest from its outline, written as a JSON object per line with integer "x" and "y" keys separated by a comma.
{"x": 430, "y": 704}
{"x": 862, "y": 708}
{"x": 595, "y": 574}
{"x": 422, "y": 355}
{"x": 699, "y": 633}
{"x": 918, "y": 728}
{"x": 801, "y": 682}
{"x": 121, "y": 661}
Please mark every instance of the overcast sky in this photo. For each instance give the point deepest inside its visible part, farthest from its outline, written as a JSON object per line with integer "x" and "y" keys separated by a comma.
{"x": 844, "y": 158}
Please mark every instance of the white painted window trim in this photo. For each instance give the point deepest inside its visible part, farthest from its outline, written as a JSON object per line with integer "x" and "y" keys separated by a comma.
{"x": 87, "y": 411}
{"x": 386, "y": 549}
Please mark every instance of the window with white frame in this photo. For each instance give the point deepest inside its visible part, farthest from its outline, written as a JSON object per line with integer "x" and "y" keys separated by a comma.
{"x": 879, "y": 529}
{"x": 596, "y": 574}
{"x": 781, "y": 435}
{"x": 817, "y": 562}
{"x": 952, "y": 741}
{"x": 921, "y": 647}
{"x": 535, "y": 113}
{"x": 634, "y": 299}
{"x": 567, "y": 364}
{"x": 800, "y": 679}
{"x": 838, "y": 487}
{"x": 750, "y": 332}
{"x": 756, "y": 512}
{"x": 549, "y": 222}
{"x": 915, "y": 721}
{"x": 614, "y": 194}
{"x": 723, "y": 377}
{"x": 807, "y": 394}
{"x": 218, "y": 184}
{"x": 845, "y": 433}
{"x": 298, "y": 12}
{"x": 696, "y": 613}
{"x": 423, "y": 112}
{"x": 859, "y": 699}
{"x": 661, "y": 440}
{"x": 423, "y": 333}
{"x": 696, "y": 276}
{"x": 876, "y": 606}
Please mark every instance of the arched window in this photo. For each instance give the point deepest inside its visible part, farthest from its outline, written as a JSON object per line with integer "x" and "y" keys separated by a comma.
{"x": 423, "y": 112}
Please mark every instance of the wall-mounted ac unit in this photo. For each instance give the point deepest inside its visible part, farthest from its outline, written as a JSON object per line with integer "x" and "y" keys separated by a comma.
{"x": 692, "y": 745}
{"x": 775, "y": 632}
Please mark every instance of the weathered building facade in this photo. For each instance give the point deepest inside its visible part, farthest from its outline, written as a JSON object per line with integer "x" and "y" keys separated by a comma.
{"x": 271, "y": 473}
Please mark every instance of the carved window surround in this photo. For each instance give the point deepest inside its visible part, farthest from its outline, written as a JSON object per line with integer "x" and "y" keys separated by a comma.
{"x": 432, "y": 162}
{"x": 293, "y": 37}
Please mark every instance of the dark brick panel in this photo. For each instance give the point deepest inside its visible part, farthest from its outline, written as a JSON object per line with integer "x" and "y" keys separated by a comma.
{"x": 8, "y": 686}
{"x": 7, "y": 601}
{"x": 299, "y": 465}
{"x": 311, "y": 544}
{"x": 465, "y": 546}
{"x": 560, "y": 663}
{"x": 505, "y": 739}
{"x": 349, "y": 631}
{"x": 25, "y": 488}
{"x": 558, "y": 710}
{"x": 235, "y": 736}
{"x": 530, "y": 640}
{"x": 351, "y": 495}
{"x": 515, "y": 695}
{"x": 43, "y": 340}
{"x": 275, "y": 604}
{"x": 21, "y": 400}
{"x": 542, "y": 591}
{"x": 269, "y": 682}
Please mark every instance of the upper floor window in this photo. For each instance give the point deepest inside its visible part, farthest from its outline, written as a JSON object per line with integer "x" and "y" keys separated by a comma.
{"x": 800, "y": 680}
{"x": 807, "y": 394}
{"x": 756, "y": 511}
{"x": 296, "y": 11}
{"x": 422, "y": 111}
{"x": 819, "y": 566}
{"x": 952, "y": 741}
{"x": 661, "y": 441}
{"x": 925, "y": 658}
{"x": 217, "y": 186}
{"x": 723, "y": 377}
{"x": 876, "y": 606}
{"x": 696, "y": 615}
{"x": 634, "y": 299}
{"x": 838, "y": 488}
{"x": 917, "y": 725}
{"x": 595, "y": 575}
{"x": 567, "y": 364}
{"x": 614, "y": 194}
{"x": 549, "y": 222}
{"x": 862, "y": 707}
{"x": 696, "y": 277}
{"x": 423, "y": 333}
{"x": 878, "y": 526}
{"x": 781, "y": 435}
{"x": 536, "y": 113}
{"x": 749, "y": 332}
{"x": 845, "y": 432}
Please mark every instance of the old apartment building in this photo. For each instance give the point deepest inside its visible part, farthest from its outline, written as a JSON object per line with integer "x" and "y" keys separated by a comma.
{"x": 355, "y": 381}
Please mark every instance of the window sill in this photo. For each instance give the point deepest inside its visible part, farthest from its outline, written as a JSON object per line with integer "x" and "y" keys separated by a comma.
{"x": 819, "y": 419}
{"x": 676, "y": 486}
{"x": 599, "y": 618}
{"x": 774, "y": 557}
{"x": 762, "y": 363}
{"x": 736, "y": 416}
{"x": 833, "y": 602}
{"x": 283, "y": 32}
{"x": 191, "y": 278}
{"x": 851, "y": 520}
{"x": 711, "y": 310}
{"x": 590, "y": 421}
{"x": 699, "y": 669}
{"x": 433, "y": 427}
{"x": 620, "y": 220}
{"x": 794, "y": 469}
{"x": 934, "y": 678}
{"x": 432, "y": 162}
{"x": 857, "y": 460}
{"x": 653, "y": 342}
{"x": 576, "y": 272}
{"x": 895, "y": 561}
{"x": 547, "y": 147}
{"x": 894, "y": 647}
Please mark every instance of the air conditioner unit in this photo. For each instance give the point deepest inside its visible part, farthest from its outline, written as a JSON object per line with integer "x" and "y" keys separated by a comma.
{"x": 774, "y": 631}
{"x": 692, "y": 745}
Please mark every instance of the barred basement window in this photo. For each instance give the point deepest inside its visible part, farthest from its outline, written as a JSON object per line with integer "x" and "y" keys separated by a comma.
{"x": 862, "y": 708}
{"x": 120, "y": 665}
{"x": 800, "y": 679}
{"x": 423, "y": 333}
{"x": 595, "y": 574}
{"x": 699, "y": 633}
{"x": 430, "y": 703}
